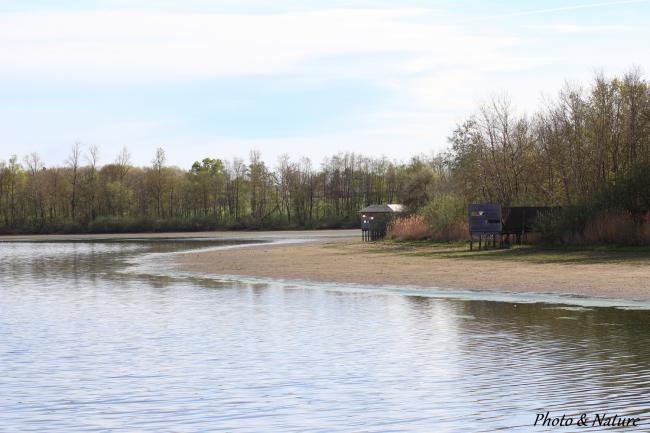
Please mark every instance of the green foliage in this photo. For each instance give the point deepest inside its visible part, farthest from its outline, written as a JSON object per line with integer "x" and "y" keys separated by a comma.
{"x": 146, "y": 224}
{"x": 561, "y": 227}
{"x": 628, "y": 195}
{"x": 444, "y": 211}
{"x": 631, "y": 191}
{"x": 208, "y": 166}
{"x": 419, "y": 184}
{"x": 578, "y": 144}
{"x": 119, "y": 197}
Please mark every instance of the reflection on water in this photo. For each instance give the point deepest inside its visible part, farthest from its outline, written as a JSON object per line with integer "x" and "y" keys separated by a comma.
{"x": 86, "y": 348}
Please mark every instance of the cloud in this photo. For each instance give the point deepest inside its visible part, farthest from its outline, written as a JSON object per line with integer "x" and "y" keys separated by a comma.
{"x": 577, "y": 28}
{"x": 569, "y": 8}
{"x": 396, "y": 79}
{"x": 154, "y": 46}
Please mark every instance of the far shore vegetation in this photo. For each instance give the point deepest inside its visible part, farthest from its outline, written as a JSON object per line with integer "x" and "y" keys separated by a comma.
{"x": 587, "y": 150}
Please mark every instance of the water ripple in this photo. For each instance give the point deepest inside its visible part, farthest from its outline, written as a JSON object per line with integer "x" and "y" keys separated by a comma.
{"x": 85, "y": 348}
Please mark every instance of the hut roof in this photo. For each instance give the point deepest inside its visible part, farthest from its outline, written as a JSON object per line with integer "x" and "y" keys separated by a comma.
{"x": 383, "y": 208}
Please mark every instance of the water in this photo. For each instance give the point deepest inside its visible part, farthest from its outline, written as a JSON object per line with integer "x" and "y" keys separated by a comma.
{"x": 85, "y": 346}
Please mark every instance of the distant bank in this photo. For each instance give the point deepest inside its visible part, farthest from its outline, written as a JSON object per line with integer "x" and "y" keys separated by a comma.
{"x": 235, "y": 234}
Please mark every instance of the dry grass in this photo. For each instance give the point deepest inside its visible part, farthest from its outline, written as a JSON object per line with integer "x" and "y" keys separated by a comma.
{"x": 617, "y": 227}
{"x": 410, "y": 228}
{"x": 415, "y": 228}
{"x": 643, "y": 230}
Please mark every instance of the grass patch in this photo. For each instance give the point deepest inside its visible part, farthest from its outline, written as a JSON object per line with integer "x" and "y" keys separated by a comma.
{"x": 521, "y": 253}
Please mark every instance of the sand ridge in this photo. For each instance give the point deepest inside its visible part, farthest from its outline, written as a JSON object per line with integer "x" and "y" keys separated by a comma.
{"x": 351, "y": 261}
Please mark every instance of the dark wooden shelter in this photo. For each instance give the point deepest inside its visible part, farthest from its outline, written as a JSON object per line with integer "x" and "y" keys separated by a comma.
{"x": 484, "y": 220}
{"x": 521, "y": 220}
{"x": 489, "y": 222}
{"x": 375, "y": 219}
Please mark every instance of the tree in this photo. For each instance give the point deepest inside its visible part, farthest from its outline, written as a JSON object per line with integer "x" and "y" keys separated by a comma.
{"x": 91, "y": 186}
{"x": 158, "y": 179}
{"x": 208, "y": 179}
{"x": 73, "y": 165}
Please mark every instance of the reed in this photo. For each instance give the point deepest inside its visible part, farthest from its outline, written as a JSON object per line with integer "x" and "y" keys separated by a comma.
{"x": 408, "y": 228}
{"x": 617, "y": 227}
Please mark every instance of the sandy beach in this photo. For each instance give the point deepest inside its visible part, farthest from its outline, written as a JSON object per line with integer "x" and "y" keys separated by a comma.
{"x": 351, "y": 261}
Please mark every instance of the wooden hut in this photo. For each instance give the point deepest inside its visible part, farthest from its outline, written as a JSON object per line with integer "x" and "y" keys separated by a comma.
{"x": 489, "y": 221}
{"x": 375, "y": 219}
{"x": 484, "y": 221}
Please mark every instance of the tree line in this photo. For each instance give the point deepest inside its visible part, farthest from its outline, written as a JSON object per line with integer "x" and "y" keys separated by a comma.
{"x": 583, "y": 141}
{"x": 83, "y": 196}
{"x": 587, "y": 151}
{"x": 575, "y": 145}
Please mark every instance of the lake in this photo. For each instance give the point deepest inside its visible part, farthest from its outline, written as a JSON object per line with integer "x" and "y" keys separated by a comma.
{"x": 95, "y": 336}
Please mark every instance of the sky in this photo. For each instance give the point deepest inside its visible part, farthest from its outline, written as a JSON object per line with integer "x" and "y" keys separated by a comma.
{"x": 219, "y": 78}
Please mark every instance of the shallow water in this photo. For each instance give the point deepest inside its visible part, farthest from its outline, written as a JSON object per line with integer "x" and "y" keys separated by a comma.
{"x": 85, "y": 346}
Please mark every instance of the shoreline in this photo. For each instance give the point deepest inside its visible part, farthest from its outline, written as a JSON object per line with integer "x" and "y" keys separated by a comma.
{"x": 206, "y": 235}
{"x": 348, "y": 261}
{"x": 339, "y": 257}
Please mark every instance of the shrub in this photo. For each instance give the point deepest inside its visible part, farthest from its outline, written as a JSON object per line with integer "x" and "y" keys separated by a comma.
{"x": 612, "y": 227}
{"x": 609, "y": 226}
{"x": 446, "y": 218}
{"x": 408, "y": 228}
{"x": 119, "y": 224}
{"x": 561, "y": 227}
{"x": 644, "y": 230}
{"x": 616, "y": 214}
{"x": 67, "y": 227}
{"x": 456, "y": 231}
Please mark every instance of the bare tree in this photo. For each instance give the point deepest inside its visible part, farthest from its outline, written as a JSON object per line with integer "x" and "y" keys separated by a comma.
{"x": 158, "y": 165}
{"x": 92, "y": 158}
{"x": 73, "y": 164}
{"x": 35, "y": 166}
{"x": 123, "y": 162}
{"x": 123, "y": 165}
